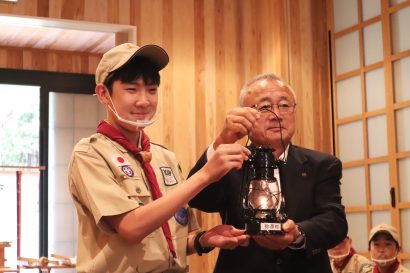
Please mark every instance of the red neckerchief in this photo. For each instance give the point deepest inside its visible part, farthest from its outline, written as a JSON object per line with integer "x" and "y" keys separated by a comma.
{"x": 113, "y": 133}
{"x": 392, "y": 268}
{"x": 346, "y": 260}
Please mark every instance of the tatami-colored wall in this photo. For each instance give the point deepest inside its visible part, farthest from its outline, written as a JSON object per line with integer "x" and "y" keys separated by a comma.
{"x": 214, "y": 46}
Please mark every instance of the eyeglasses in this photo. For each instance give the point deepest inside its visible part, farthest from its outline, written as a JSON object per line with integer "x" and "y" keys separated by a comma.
{"x": 283, "y": 107}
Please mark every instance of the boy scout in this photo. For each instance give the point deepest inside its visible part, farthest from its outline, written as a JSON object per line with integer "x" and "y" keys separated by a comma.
{"x": 128, "y": 192}
{"x": 384, "y": 247}
{"x": 345, "y": 259}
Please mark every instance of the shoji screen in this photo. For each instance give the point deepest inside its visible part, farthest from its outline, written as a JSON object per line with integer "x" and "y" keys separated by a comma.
{"x": 371, "y": 94}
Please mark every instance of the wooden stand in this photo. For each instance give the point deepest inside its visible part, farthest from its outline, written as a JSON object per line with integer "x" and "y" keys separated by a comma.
{"x": 44, "y": 264}
{"x": 3, "y": 268}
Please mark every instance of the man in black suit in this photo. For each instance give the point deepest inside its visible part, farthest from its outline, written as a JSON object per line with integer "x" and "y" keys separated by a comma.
{"x": 310, "y": 186}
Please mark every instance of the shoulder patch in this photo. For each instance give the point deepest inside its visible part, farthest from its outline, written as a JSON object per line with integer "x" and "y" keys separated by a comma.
{"x": 366, "y": 268}
{"x": 168, "y": 175}
{"x": 182, "y": 216}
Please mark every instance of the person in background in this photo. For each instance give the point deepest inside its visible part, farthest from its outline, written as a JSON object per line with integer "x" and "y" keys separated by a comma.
{"x": 309, "y": 181}
{"x": 384, "y": 247}
{"x": 129, "y": 193}
{"x": 344, "y": 259}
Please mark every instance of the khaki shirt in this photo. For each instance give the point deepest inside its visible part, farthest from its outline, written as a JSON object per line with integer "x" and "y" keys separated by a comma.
{"x": 369, "y": 269}
{"x": 104, "y": 180}
{"x": 355, "y": 265}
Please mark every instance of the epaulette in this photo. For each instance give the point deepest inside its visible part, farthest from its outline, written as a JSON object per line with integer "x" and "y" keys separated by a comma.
{"x": 160, "y": 145}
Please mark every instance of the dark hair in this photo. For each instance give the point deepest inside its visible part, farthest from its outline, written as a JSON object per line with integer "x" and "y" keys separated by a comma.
{"x": 138, "y": 67}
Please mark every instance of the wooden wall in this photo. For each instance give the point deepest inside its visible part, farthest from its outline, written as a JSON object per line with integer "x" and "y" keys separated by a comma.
{"x": 214, "y": 47}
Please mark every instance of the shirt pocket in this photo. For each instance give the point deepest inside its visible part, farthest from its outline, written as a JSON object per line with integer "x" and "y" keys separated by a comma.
{"x": 136, "y": 189}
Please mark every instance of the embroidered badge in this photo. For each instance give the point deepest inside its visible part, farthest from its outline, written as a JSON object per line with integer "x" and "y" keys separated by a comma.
{"x": 181, "y": 216}
{"x": 168, "y": 175}
{"x": 119, "y": 160}
{"x": 127, "y": 170}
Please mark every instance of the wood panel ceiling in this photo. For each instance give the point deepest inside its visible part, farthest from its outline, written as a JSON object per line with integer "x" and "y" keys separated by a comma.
{"x": 25, "y": 36}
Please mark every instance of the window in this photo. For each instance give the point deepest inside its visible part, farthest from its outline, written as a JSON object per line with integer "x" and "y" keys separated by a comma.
{"x": 46, "y": 107}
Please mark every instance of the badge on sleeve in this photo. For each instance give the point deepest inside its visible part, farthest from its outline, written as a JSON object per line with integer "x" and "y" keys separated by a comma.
{"x": 181, "y": 216}
{"x": 168, "y": 175}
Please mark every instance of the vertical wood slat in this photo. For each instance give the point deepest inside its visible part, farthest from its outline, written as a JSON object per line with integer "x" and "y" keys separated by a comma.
{"x": 390, "y": 115}
{"x": 215, "y": 46}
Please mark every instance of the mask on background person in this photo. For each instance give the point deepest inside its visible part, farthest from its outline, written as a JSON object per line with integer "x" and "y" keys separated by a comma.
{"x": 383, "y": 262}
{"x": 338, "y": 258}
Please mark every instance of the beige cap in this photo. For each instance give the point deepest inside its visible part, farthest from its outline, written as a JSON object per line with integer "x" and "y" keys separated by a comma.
{"x": 384, "y": 228}
{"x": 118, "y": 56}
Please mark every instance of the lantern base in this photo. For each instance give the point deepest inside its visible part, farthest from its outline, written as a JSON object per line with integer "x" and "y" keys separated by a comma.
{"x": 263, "y": 227}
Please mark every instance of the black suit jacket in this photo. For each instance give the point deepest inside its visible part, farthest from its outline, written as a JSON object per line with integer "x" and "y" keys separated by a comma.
{"x": 311, "y": 186}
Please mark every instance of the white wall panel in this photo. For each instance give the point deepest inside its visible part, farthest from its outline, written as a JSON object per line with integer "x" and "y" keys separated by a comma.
{"x": 370, "y": 9}
{"x": 349, "y": 98}
{"x": 351, "y": 141}
{"x": 404, "y": 179}
{"x": 373, "y": 43}
{"x": 353, "y": 187}
{"x": 356, "y": 231}
{"x": 375, "y": 94}
{"x": 403, "y": 129}
{"x": 345, "y": 14}
{"x": 401, "y": 69}
{"x": 347, "y": 53}
{"x": 377, "y": 136}
{"x": 379, "y": 183}
{"x": 400, "y": 22}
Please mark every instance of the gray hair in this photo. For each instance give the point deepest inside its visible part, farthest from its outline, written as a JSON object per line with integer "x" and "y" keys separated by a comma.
{"x": 266, "y": 76}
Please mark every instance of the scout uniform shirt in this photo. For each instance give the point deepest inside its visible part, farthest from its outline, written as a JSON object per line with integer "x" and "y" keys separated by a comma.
{"x": 355, "y": 265}
{"x": 371, "y": 269}
{"x": 105, "y": 179}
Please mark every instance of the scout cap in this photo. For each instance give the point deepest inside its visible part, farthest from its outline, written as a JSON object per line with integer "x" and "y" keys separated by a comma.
{"x": 120, "y": 55}
{"x": 384, "y": 228}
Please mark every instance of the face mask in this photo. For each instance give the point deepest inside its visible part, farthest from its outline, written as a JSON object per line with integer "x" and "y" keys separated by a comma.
{"x": 383, "y": 262}
{"x": 139, "y": 123}
{"x": 338, "y": 258}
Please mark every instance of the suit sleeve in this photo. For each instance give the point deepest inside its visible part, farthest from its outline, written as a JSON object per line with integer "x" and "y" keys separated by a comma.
{"x": 327, "y": 226}
{"x": 210, "y": 199}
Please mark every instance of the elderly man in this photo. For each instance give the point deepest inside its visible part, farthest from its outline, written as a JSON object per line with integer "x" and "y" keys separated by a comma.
{"x": 309, "y": 180}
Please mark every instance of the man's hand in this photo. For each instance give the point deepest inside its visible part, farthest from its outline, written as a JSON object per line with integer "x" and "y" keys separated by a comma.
{"x": 224, "y": 236}
{"x": 280, "y": 241}
{"x": 238, "y": 123}
{"x": 224, "y": 159}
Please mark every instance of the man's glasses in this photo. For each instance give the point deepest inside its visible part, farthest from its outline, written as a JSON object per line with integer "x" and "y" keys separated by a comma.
{"x": 283, "y": 108}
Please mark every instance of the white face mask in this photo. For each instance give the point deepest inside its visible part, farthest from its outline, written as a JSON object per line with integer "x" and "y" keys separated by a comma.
{"x": 139, "y": 124}
{"x": 383, "y": 262}
{"x": 338, "y": 258}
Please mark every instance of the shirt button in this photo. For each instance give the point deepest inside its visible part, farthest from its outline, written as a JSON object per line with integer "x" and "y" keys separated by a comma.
{"x": 138, "y": 190}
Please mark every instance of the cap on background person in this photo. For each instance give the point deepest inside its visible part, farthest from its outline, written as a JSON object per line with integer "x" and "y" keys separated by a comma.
{"x": 386, "y": 229}
{"x": 120, "y": 55}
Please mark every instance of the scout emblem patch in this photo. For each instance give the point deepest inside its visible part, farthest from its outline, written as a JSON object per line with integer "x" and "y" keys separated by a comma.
{"x": 127, "y": 170}
{"x": 120, "y": 161}
{"x": 168, "y": 175}
{"x": 181, "y": 216}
